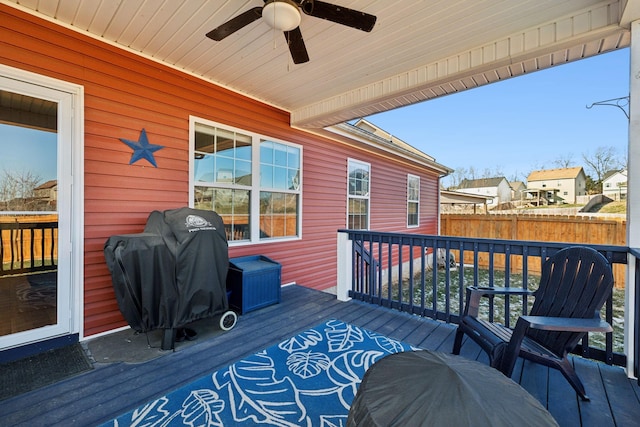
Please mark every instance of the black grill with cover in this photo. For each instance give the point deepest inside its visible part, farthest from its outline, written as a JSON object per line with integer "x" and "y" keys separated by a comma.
{"x": 173, "y": 273}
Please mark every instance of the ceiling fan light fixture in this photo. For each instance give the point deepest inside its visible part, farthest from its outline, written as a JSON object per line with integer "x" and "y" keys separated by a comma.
{"x": 281, "y": 15}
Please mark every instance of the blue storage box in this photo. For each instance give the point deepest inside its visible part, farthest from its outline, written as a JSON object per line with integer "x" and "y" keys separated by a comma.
{"x": 254, "y": 282}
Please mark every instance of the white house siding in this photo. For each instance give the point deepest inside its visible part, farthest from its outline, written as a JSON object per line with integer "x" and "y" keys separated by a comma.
{"x": 499, "y": 194}
{"x": 504, "y": 192}
{"x": 615, "y": 186}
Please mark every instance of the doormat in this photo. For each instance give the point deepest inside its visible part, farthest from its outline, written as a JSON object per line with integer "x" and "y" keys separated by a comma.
{"x": 30, "y": 373}
{"x": 307, "y": 380}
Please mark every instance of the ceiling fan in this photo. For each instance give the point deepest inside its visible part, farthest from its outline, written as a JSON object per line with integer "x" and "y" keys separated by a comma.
{"x": 284, "y": 15}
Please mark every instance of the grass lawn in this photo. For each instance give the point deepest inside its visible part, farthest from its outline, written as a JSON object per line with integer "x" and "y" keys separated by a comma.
{"x": 614, "y": 207}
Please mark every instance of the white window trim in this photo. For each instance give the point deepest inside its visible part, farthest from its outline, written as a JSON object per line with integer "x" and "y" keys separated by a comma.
{"x": 254, "y": 206}
{"x": 367, "y": 197}
{"x": 409, "y": 177}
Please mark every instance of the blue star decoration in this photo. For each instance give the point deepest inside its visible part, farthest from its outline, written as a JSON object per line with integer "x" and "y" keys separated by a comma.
{"x": 142, "y": 149}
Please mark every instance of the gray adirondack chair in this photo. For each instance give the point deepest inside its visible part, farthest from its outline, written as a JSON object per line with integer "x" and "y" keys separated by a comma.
{"x": 574, "y": 285}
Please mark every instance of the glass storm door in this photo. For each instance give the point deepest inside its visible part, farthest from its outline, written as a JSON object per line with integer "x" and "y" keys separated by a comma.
{"x": 35, "y": 285}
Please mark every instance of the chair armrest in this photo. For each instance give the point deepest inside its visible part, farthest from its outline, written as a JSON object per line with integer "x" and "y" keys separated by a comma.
{"x": 548, "y": 324}
{"x": 494, "y": 290}
{"x": 567, "y": 324}
{"x": 474, "y": 293}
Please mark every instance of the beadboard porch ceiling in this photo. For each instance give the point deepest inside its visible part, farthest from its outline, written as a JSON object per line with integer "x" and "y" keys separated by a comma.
{"x": 418, "y": 50}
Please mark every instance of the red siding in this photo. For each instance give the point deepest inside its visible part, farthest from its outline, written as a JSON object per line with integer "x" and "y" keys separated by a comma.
{"x": 125, "y": 93}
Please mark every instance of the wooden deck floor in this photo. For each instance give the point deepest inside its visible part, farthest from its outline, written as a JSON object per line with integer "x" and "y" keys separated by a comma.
{"x": 114, "y": 388}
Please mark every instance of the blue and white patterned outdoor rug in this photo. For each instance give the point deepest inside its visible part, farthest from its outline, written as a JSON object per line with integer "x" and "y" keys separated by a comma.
{"x": 307, "y": 380}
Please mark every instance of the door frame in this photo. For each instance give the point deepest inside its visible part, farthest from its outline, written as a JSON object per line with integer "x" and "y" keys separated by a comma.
{"x": 70, "y": 98}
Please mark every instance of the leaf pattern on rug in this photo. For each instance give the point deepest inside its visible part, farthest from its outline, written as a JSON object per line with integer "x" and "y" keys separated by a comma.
{"x": 256, "y": 394}
{"x": 347, "y": 370}
{"x": 301, "y": 342}
{"x": 307, "y": 365}
{"x": 386, "y": 343}
{"x": 342, "y": 336}
{"x": 151, "y": 413}
{"x": 202, "y": 408}
{"x": 306, "y": 380}
{"x": 333, "y": 421}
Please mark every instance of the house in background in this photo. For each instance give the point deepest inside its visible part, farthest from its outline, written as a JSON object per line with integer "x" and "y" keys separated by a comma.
{"x": 554, "y": 186}
{"x": 614, "y": 185}
{"x": 47, "y": 192}
{"x": 136, "y": 135}
{"x": 518, "y": 190}
{"x": 497, "y": 188}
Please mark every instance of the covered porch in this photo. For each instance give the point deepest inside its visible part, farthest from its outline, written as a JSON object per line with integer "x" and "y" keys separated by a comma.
{"x": 448, "y": 59}
{"x": 433, "y": 56}
{"x": 548, "y": 196}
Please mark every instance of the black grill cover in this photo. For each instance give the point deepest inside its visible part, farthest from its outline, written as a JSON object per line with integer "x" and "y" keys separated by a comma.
{"x": 174, "y": 272}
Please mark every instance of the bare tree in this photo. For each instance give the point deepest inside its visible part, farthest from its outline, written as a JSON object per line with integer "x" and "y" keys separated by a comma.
{"x": 492, "y": 173}
{"x": 471, "y": 173}
{"x": 564, "y": 161}
{"x": 602, "y": 161}
{"x": 516, "y": 176}
{"x": 456, "y": 177}
{"x": 17, "y": 189}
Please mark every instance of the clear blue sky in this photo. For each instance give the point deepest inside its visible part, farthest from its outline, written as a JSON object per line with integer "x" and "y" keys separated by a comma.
{"x": 524, "y": 123}
{"x": 25, "y": 150}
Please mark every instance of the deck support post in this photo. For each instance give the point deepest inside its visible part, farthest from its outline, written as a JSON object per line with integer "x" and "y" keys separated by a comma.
{"x": 633, "y": 200}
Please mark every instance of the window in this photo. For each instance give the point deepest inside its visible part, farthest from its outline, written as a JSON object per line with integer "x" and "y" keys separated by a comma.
{"x": 413, "y": 201}
{"x": 226, "y": 167}
{"x": 358, "y": 195}
{"x": 280, "y": 187}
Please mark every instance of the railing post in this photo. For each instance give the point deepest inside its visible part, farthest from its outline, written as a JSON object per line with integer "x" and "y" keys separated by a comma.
{"x": 345, "y": 265}
{"x": 631, "y": 321}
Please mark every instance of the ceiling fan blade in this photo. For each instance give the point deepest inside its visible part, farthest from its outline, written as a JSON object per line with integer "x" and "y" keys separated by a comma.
{"x": 296, "y": 46}
{"x": 234, "y": 24}
{"x": 341, "y": 15}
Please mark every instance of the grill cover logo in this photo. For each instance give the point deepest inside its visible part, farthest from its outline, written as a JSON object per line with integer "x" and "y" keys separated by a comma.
{"x": 197, "y": 223}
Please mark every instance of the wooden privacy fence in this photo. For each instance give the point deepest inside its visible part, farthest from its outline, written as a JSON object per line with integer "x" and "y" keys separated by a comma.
{"x": 28, "y": 244}
{"x": 545, "y": 228}
{"x": 272, "y": 225}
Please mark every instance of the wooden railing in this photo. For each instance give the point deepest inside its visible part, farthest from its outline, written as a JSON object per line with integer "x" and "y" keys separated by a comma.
{"x": 399, "y": 271}
{"x": 27, "y": 247}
